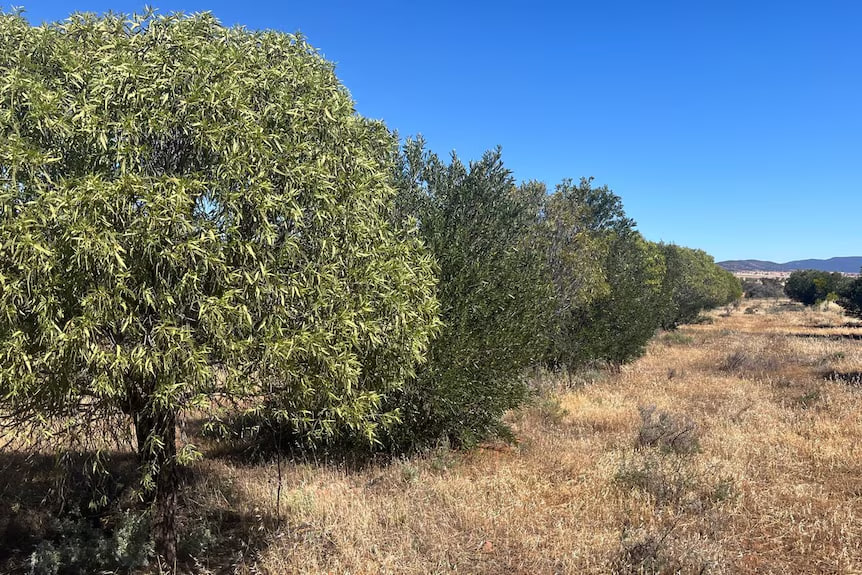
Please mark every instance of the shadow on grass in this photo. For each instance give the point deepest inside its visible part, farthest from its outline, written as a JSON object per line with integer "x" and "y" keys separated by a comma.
{"x": 846, "y": 325}
{"x": 853, "y": 378}
{"x": 47, "y": 501}
{"x": 245, "y": 441}
{"x": 832, "y": 336}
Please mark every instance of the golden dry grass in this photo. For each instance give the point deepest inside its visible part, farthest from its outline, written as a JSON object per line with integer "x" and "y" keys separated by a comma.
{"x": 775, "y": 485}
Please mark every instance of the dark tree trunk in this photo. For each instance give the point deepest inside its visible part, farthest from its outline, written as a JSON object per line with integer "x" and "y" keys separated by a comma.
{"x": 161, "y": 424}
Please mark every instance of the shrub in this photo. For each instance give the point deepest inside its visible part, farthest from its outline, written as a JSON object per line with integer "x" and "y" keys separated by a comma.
{"x": 677, "y": 338}
{"x": 191, "y": 212}
{"x": 744, "y": 363}
{"x": 584, "y": 231}
{"x": 812, "y": 286}
{"x": 850, "y": 297}
{"x": 616, "y": 327}
{"x": 493, "y": 293}
{"x": 763, "y": 288}
{"x": 77, "y": 547}
{"x": 549, "y": 409}
{"x": 667, "y": 481}
{"x": 694, "y": 283}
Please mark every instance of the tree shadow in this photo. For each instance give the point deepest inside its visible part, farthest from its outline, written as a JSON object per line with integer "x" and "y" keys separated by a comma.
{"x": 852, "y": 378}
{"x": 246, "y": 442}
{"x": 832, "y": 336}
{"x": 46, "y": 500}
{"x": 38, "y": 490}
{"x": 845, "y": 325}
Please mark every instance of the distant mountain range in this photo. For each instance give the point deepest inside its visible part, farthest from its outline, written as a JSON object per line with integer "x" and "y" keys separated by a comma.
{"x": 848, "y": 265}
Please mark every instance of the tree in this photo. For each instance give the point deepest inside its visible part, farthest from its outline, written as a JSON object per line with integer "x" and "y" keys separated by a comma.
{"x": 583, "y": 228}
{"x": 192, "y": 214}
{"x": 493, "y": 295}
{"x": 850, "y": 297}
{"x": 617, "y": 326}
{"x": 693, "y": 283}
{"x": 812, "y": 286}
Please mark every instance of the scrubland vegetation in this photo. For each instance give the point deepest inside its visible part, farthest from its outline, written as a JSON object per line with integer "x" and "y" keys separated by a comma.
{"x": 244, "y": 329}
{"x": 730, "y": 447}
{"x": 811, "y": 287}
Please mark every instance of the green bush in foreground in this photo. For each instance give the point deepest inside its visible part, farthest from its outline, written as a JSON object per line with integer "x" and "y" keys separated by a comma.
{"x": 192, "y": 214}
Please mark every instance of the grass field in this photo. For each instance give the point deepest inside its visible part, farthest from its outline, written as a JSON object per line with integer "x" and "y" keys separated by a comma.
{"x": 731, "y": 447}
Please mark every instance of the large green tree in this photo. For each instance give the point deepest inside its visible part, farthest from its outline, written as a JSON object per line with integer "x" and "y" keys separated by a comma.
{"x": 493, "y": 294}
{"x": 616, "y": 326}
{"x": 191, "y": 214}
{"x": 850, "y": 296}
{"x": 811, "y": 286}
{"x": 579, "y": 225}
{"x": 693, "y": 282}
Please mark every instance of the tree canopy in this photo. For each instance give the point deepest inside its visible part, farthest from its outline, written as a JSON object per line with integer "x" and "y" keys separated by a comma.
{"x": 812, "y": 286}
{"x": 192, "y": 214}
{"x": 492, "y": 290}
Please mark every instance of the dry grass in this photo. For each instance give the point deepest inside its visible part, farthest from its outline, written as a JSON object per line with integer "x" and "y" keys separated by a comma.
{"x": 773, "y": 486}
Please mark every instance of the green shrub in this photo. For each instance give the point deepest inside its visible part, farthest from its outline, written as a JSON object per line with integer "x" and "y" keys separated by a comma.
{"x": 75, "y": 546}
{"x": 579, "y": 227}
{"x": 809, "y": 287}
{"x": 667, "y": 480}
{"x": 694, "y": 283}
{"x": 850, "y": 297}
{"x": 493, "y": 296}
{"x": 677, "y": 338}
{"x": 616, "y": 327}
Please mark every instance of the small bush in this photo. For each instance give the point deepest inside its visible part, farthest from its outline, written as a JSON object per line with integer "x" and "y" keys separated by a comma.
{"x": 786, "y": 306}
{"x": 724, "y": 490}
{"x": 734, "y": 362}
{"x": 667, "y": 481}
{"x": 676, "y": 338}
{"x": 664, "y": 549}
{"x": 809, "y": 399}
{"x": 550, "y": 410}
{"x": 77, "y": 547}
{"x": 644, "y": 551}
{"x": 667, "y": 432}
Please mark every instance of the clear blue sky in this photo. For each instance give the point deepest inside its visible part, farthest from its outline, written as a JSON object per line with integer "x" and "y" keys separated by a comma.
{"x": 731, "y": 126}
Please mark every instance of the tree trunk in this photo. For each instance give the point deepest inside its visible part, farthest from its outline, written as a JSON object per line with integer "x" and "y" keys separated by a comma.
{"x": 161, "y": 424}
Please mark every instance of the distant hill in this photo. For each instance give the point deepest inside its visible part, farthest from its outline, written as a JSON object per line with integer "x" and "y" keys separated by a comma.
{"x": 848, "y": 265}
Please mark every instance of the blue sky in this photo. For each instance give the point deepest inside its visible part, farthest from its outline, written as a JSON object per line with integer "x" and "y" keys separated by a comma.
{"x": 732, "y": 126}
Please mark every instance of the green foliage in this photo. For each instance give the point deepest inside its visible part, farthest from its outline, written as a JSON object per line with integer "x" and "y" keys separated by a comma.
{"x": 694, "y": 283}
{"x": 76, "y": 546}
{"x": 850, "y": 297}
{"x": 192, "y": 214}
{"x": 617, "y": 326}
{"x": 581, "y": 228}
{"x": 492, "y": 290}
{"x": 812, "y": 286}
